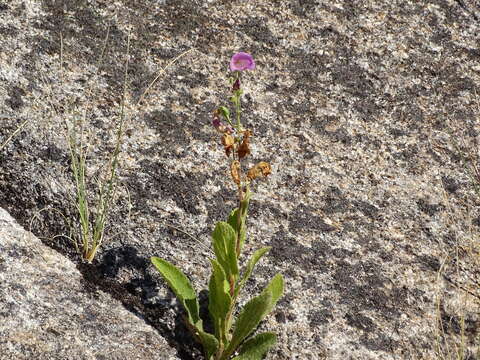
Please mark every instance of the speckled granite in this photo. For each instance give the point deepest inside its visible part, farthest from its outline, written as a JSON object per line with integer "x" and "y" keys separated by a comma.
{"x": 357, "y": 105}
{"x": 49, "y": 312}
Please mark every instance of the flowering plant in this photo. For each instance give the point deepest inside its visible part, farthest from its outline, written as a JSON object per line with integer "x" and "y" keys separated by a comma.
{"x": 228, "y": 239}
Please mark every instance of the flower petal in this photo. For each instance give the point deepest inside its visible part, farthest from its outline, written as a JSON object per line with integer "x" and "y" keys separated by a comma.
{"x": 242, "y": 61}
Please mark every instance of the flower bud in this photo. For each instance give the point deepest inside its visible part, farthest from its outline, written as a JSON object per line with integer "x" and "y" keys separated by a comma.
{"x": 236, "y": 85}
{"x": 216, "y": 122}
{"x": 220, "y": 127}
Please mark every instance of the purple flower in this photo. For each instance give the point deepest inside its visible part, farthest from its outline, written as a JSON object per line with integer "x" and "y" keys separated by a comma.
{"x": 242, "y": 61}
{"x": 220, "y": 127}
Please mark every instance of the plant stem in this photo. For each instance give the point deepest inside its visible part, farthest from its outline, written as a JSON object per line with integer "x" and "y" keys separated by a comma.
{"x": 237, "y": 103}
{"x": 239, "y": 218}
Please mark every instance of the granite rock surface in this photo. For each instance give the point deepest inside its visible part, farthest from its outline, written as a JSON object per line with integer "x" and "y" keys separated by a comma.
{"x": 365, "y": 109}
{"x": 50, "y": 312}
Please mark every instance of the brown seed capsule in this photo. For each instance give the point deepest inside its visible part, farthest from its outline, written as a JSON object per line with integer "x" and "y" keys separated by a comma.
{"x": 265, "y": 168}
{"x": 235, "y": 171}
{"x": 261, "y": 169}
{"x": 227, "y": 142}
{"x": 244, "y": 148}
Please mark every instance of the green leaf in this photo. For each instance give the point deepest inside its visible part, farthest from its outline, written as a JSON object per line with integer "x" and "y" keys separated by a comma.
{"x": 256, "y": 347}
{"x": 275, "y": 287}
{"x": 245, "y": 202}
{"x": 219, "y": 300}
{"x": 185, "y": 293}
{"x": 250, "y": 265}
{"x": 181, "y": 286}
{"x": 209, "y": 342}
{"x": 224, "y": 247}
{"x": 233, "y": 219}
{"x": 240, "y": 225}
{"x": 248, "y": 320}
{"x": 225, "y": 112}
{"x": 254, "y": 312}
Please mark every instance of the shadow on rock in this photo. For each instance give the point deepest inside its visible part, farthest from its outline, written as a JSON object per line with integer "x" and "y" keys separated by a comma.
{"x": 165, "y": 314}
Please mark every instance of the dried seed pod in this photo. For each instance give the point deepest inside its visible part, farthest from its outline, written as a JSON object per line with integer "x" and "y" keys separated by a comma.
{"x": 265, "y": 168}
{"x": 244, "y": 148}
{"x": 261, "y": 169}
{"x": 235, "y": 171}
{"x": 227, "y": 142}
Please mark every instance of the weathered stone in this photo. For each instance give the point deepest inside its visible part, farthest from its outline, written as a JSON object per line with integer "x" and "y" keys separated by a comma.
{"x": 363, "y": 109}
{"x": 49, "y": 312}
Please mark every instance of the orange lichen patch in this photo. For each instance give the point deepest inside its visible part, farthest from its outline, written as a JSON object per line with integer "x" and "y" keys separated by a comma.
{"x": 227, "y": 142}
{"x": 261, "y": 169}
{"x": 235, "y": 171}
{"x": 244, "y": 148}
